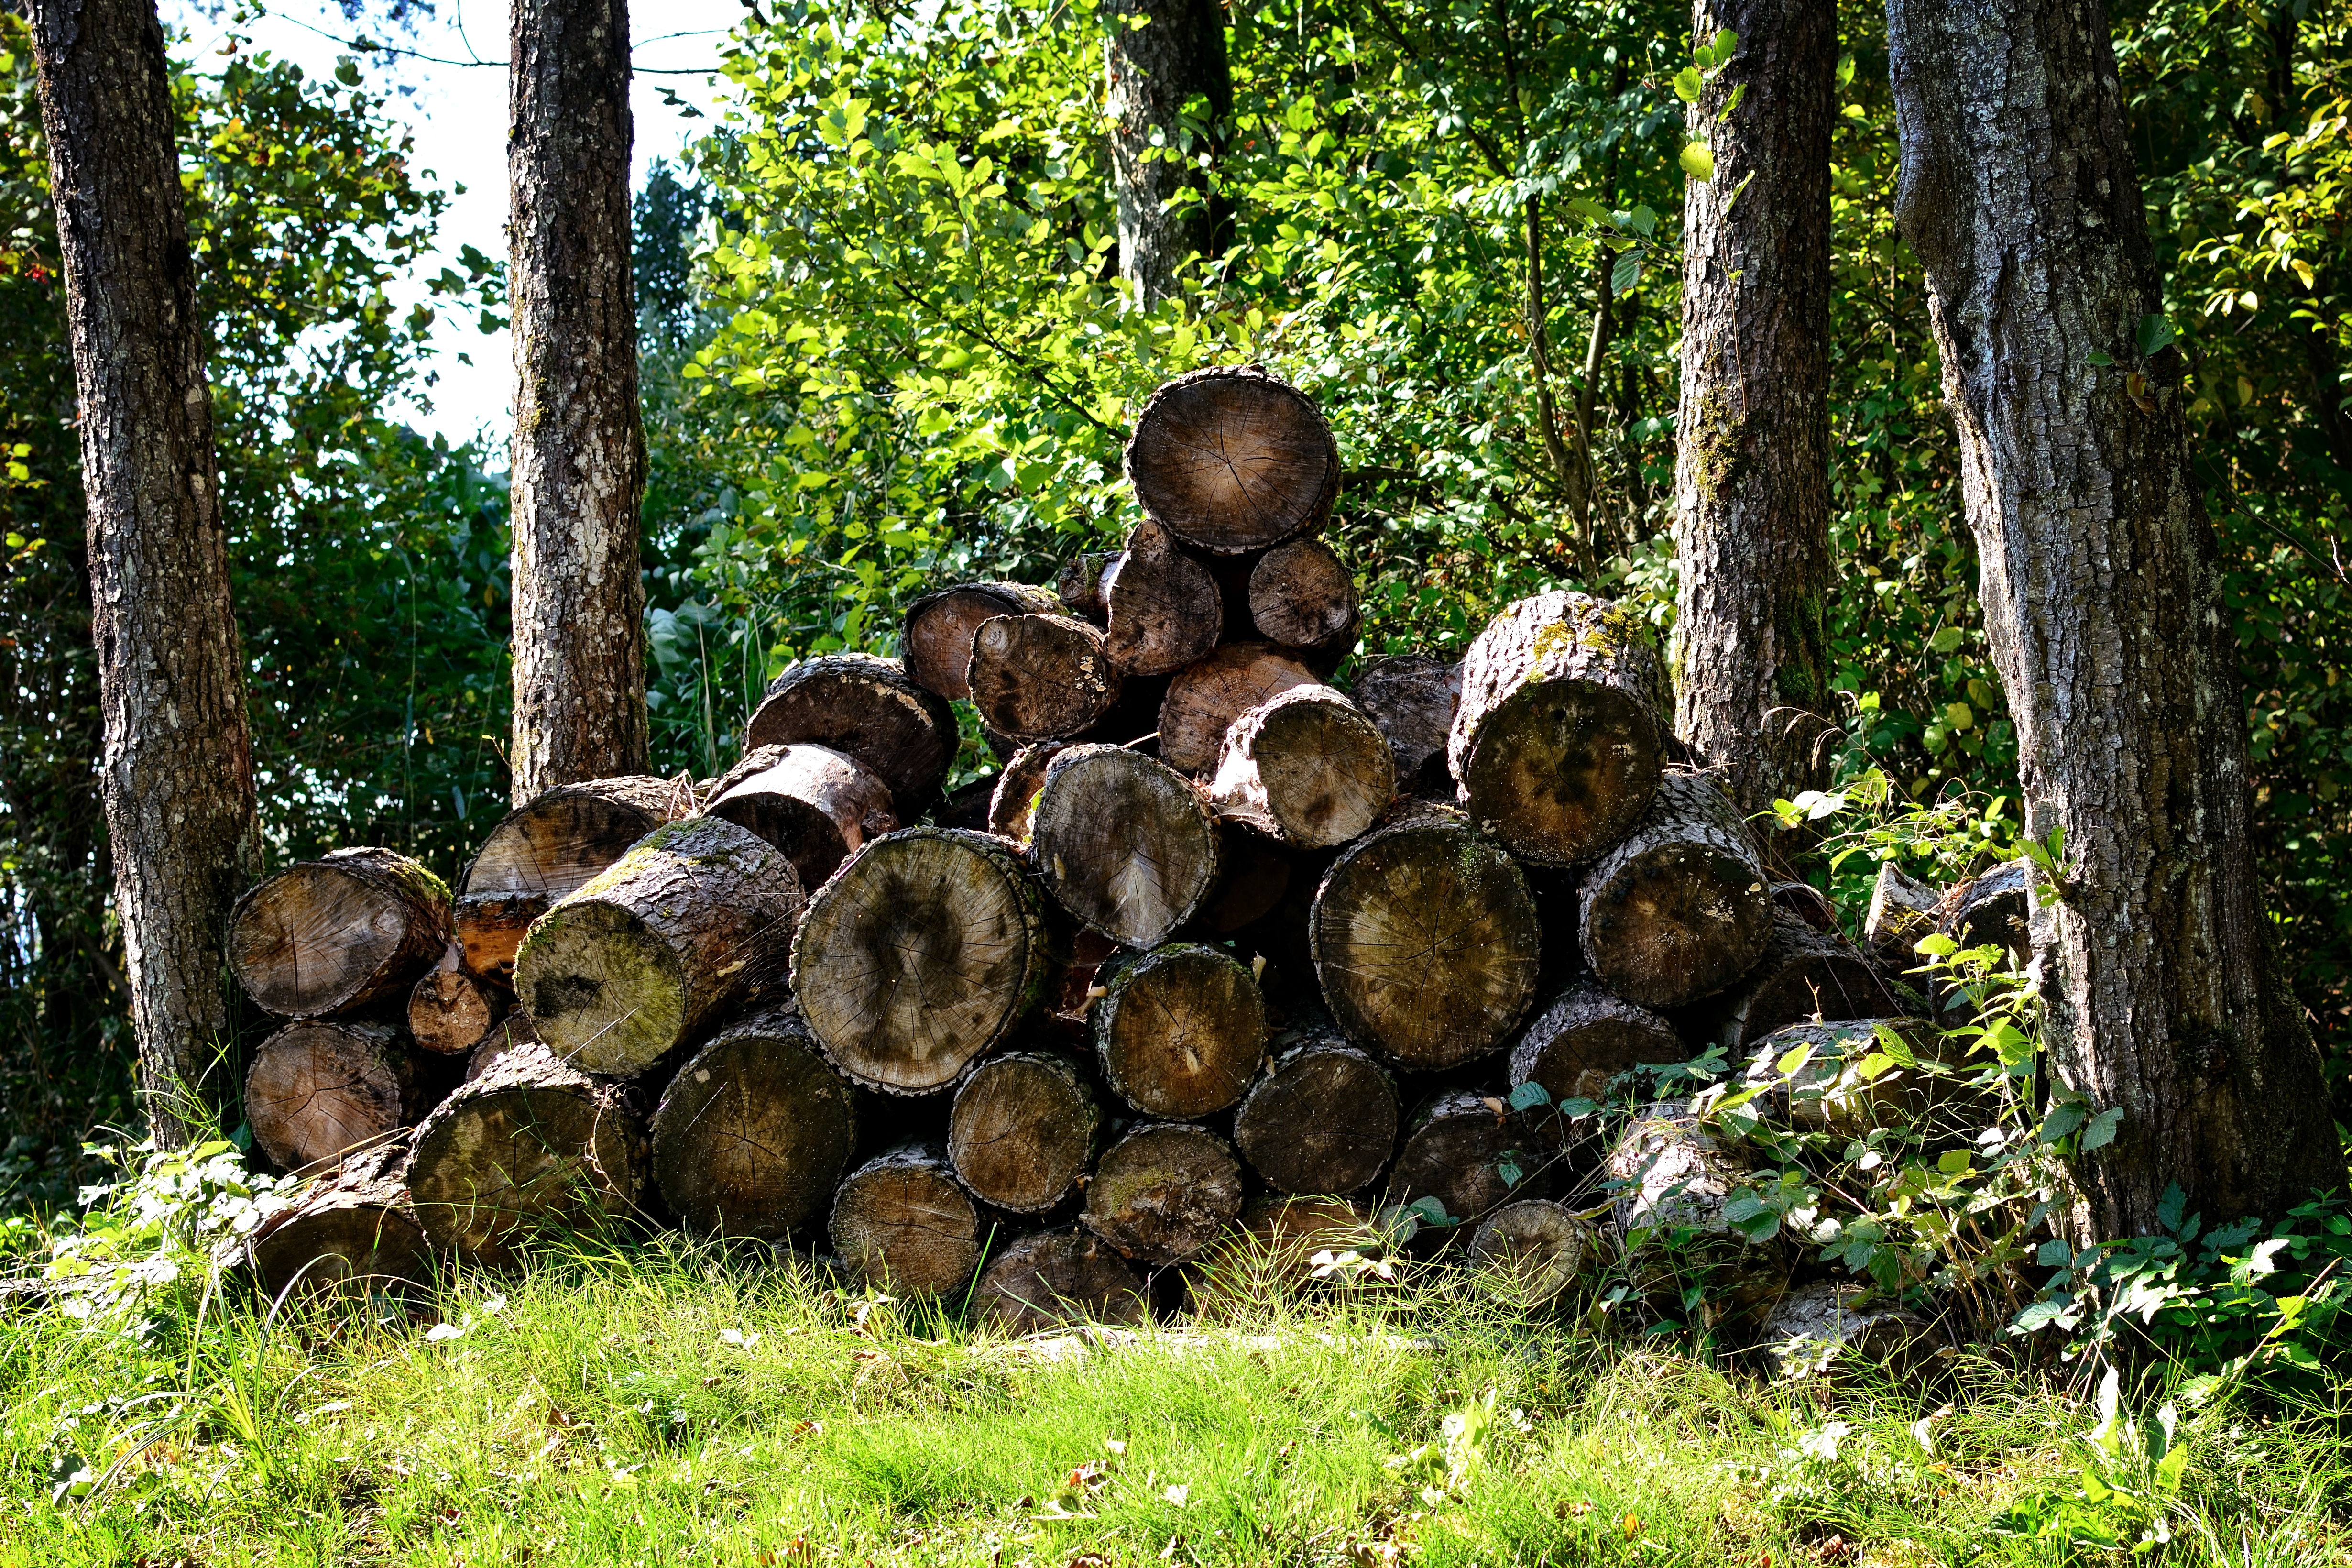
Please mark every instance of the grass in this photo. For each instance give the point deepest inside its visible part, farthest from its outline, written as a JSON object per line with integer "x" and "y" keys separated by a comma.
{"x": 672, "y": 1405}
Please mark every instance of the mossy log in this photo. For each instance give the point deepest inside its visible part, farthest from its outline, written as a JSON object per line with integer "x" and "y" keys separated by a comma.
{"x": 869, "y": 708}
{"x": 1042, "y": 1282}
{"x": 1301, "y": 595}
{"x": 1903, "y": 913}
{"x": 1474, "y": 1153}
{"x": 903, "y": 1222}
{"x": 337, "y": 934}
{"x": 938, "y": 627}
{"x": 320, "y": 1086}
{"x": 1803, "y": 973}
{"x": 921, "y": 954}
{"x": 1163, "y": 1192}
{"x": 1322, "y": 1120}
{"x": 1015, "y": 795}
{"x": 814, "y": 804}
{"x": 1681, "y": 908}
{"x": 1204, "y": 698}
{"x": 1161, "y": 606}
{"x": 546, "y": 849}
{"x": 1180, "y": 1030}
{"x": 348, "y": 1233}
{"x": 697, "y": 918}
{"x": 1233, "y": 459}
{"x": 449, "y": 1010}
{"x": 1127, "y": 845}
{"x": 754, "y": 1131}
{"x": 1560, "y": 733}
{"x": 1589, "y": 1035}
{"x": 1023, "y": 1129}
{"x": 1538, "y": 1246}
{"x": 1040, "y": 678}
{"x": 1307, "y": 766}
{"x": 1412, "y": 699}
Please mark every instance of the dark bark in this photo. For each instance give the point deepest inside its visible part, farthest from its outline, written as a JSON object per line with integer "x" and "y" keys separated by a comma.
{"x": 1587, "y": 1038}
{"x": 177, "y": 771}
{"x": 1412, "y": 699}
{"x": 1153, "y": 71}
{"x": 2103, "y": 604}
{"x": 1474, "y": 1153}
{"x": 546, "y": 850}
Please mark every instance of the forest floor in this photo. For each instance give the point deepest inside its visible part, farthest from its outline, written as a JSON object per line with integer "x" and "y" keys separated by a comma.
{"x": 668, "y": 1405}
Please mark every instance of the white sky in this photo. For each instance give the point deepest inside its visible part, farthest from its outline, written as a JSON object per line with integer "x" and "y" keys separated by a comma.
{"x": 458, "y": 114}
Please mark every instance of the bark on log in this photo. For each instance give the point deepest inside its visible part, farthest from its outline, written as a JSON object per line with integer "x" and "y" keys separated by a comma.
{"x": 1160, "y": 604}
{"x": 1042, "y": 1282}
{"x": 921, "y": 953}
{"x": 546, "y": 850}
{"x": 1588, "y": 1036}
{"x": 1178, "y": 1030}
{"x": 1307, "y": 766}
{"x": 1204, "y": 698}
{"x": 1817, "y": 1327}
{"x": 1824, "y": 1094}
{"x": 753, "y": 1133}
{"x": 1079, "y": 587}
{"x": 869, "y": 708}
{"x": 1127, "y": 845}
{"x": 1995, "y": 910}
{"x": 449, "y": 1011}
{"x": 696, "y": 918}
{"x": 1234, "y": 460}
{"x": 1015, "y": 795}
{"x": 1023, "y": 1129}
{"x": 814, "y": 804}
{"x": 1041, "y": 678}
{"x": 1152, "y": 72}
{"x": 1474, "y": 1153}
{"x": 1538, "y": 1246}
{"x": 1682, "y": 907}
{"x": 1558, "y": 739}
{"x": 508, "y": 1035}
{"x": 1322, "y": 1120}
{"x": 531, "y": 1148}
{"x": 338, "y": 934}
{"x": 1301, "y": 595}
{"x": 1412, "y": 699}
{"x": 1163, "y": 1192}
{"x": 1903, "y": 912}
{"x": 937, "y": 639}
{"x": 349, "y": 1233}
{"x": 1805, "y": 973}
{"x": 902, "y": 1222}
{"x": 1425, "y": 941}
{"x": 319, "y": 1088}
{"x": 1672, "y": 1180}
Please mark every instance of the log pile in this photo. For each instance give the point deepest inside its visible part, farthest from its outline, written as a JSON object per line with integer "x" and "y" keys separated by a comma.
{"x": 1232, "y": 929}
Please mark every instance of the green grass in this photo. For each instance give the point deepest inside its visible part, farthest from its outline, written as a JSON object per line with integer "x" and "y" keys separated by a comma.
{"x": 672, "y": 1406}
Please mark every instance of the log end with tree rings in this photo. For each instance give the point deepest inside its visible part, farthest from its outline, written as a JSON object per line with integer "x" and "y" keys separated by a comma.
{"x": 1301, "y": 595}
{"x": 1903, "y": 913}
{"x": 531, "y": 1148}
{"x": 1079, "y": 585}
{"x": 1681, "y": 908}
{"x": 1042, "y": 1282}
{"x": 1022, "y": 1130}
{"x": 1672, "y": 1173}
{"x": 869, "y": 708}
{"x": 1425, "y": 940}
{"x": 1307, "y": 765}
{"x": 1805, "y": 973}
{"x": 919, "y": 955}
{"x": 1560, "y": 738}
{"x": 1127, "y": 845}
{"x": 754, "y": 1131}
{"x": 1163, "y": 1192}
{"x": 695, "y": 919}
{"x": 449, "y": 1010}
{"x": 1588, "y": 1036}
{"x": 1206, "y": 697}
{"x": 1233, "y": 459}
{"x": 814, "y": 804}
{"x": 1161, "y": 606}
{"x": 1180, "y": 1030}
{"x": 1412, "y": 699}
{"x": 1015, "y": 795}
{"x": 937, "y": 639}
{"x": 1041, "y": 678}
{"x": 546, "y": 849}
{"x": 335, "y": 935}
{"x": 1474, "y": 1153}
{"x": 349, "y": 1233}
{"x": 1536, "y": 1246}
{"x": 320, "y": 1087}
{"x": 1322, "y": 1120}
{"x": 901, "y": 1222}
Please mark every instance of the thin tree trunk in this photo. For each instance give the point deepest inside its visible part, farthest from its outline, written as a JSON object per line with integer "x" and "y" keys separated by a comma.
{"x": 1152, "y": 71}
{"x": 579, "y": 449}
{"x": 1752, "y": 504}
{"x": 2102, "y": 599}
{"x": 177, "y": 773}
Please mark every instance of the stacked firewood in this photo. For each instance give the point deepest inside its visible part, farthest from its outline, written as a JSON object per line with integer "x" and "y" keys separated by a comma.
{"x": 1219, "y": 950}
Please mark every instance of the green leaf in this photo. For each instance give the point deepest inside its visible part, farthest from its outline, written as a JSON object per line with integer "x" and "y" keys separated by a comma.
{"x": 1687, "y": 83}
{"x": 1529, "y": 1095}
{"x": 1945, "y": 641}
{"x": 2154, "y": 332}
{"x": 2095, "y": 357}
{"x": 1732, "y": 102}
{"x": 1792, "y": 1060}
{"x": 2102, "y": 1128}
{"x": 1698, "y": 162}
{"x": 1625, "y": 274}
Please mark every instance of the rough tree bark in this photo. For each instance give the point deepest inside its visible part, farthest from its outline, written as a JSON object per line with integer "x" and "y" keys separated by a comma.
{"x": 1751, "y": 482}
{"x": 177, "y": 771}
{"x": 1153, "y": 71}
{"x": 2102, "y": 601}
{"x": 579, "y": 451}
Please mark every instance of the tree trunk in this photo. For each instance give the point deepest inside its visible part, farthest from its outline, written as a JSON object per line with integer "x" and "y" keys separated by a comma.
{"x": 2103, "y": 603}
{"x": 754, "y": 1131}
{"x": 1588, "y": 1036}
{"x": 350, "y": 1232}
{"x": 318, "y": 1090}
{"x": 1127, "y": 846}
{"x": 1022, "y": 1130}
{"x": 1162, "y": 607}
{"x": 546, "y": 850}
{"x": 1752, "y": 472}
{"x": 698, "y": 916}
{"x": 1177, "y": 54}
{"x": 1681, "y": 908}
{"x": 449, "y": 1010}
{"x": 814, "y": 804}
{"x": 1164, "y": 1192}
{"x": 1805, "y": 973}
{"x": 1301, "y": 596}
{"x": 869, "y": 708}
{"x": 1204, "y": 698}
{"x": 937, "y": 639}
{"x": 1412, "y": 699}
{"x": 1538, "y": 1246}
{"x": 579, "y": 449}
{"x": 902, "y": 1222}
{"x": 1307, "y": 766}
{"x": 1039, "y": 678}
{"x": 1474, "y": 1153}
{"x": 338, "y": 934}
{"x": 1323, "y": 1120}
{"x": 1232, "y": 461}
{"x": 1180, "y": 1030}
{"x": 177, "y": 771}
{"x": 1041, "y": 1282}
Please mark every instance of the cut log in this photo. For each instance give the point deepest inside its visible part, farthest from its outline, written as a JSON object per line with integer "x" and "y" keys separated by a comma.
{"x": 1587, "y": 1038}
{"x": 1471, "y": 1151}
{"x": 1287, "y": 1232}
{"x": 1560, "y": 737}
{"x": 547, "y": 849}
{"x": 1828, "y": 1091}
{"x": 1127, "y": 845}
{"x": 1322, "y": 1120}
{"x": 1163, "y": 1192}
{"x": 1015, "y": 795}
{"x": 902, "y": 1222}
{"x": 1426, "y": 944}
{"x": 754, "y": 1131}
{"x": 966, "y": 806}
{"x": 1204, "y": 698}
{"x": 1079, "y": 586}
{"x": 1536, "y": 1245}
{"x": 814, "y": 804}
{"x": 1253, "y": 876}
{"x": 1903, "y": 913}
{"x": 1042, "y": 1282}
{"x": 869, "y": 708}
{"x": 1822, "y": 1328}
{"x": 1178, "y": 1030}
{"x": 1681, "y": 908}
{"x": 1307, "y": 766}
{"x": 320, "y": 1087}
{"x": 697, "y": 918}
{"x": 1805, "y": 973}
{"x": 1996, "y": 911}
{"x": 1040, "y": 678}
{"x": 1233, "y": 459}
{"x": 449, "y": 1010}
{"x": 1162, "y": 605}
{"x": 1412, "y": 699}
{"x": 921, "y": 953}
{"x": 1673, "y": 1181}
{"x": 1301, "y": 596}
{"x": 532, "y": 1148}
{"x": 1023, "y": 1129}
{"x": 349, "y": 1233}
{"x": 508, "y": 1035}
{"x": 337, "y": 934}
{"x": 937, "y": 641}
